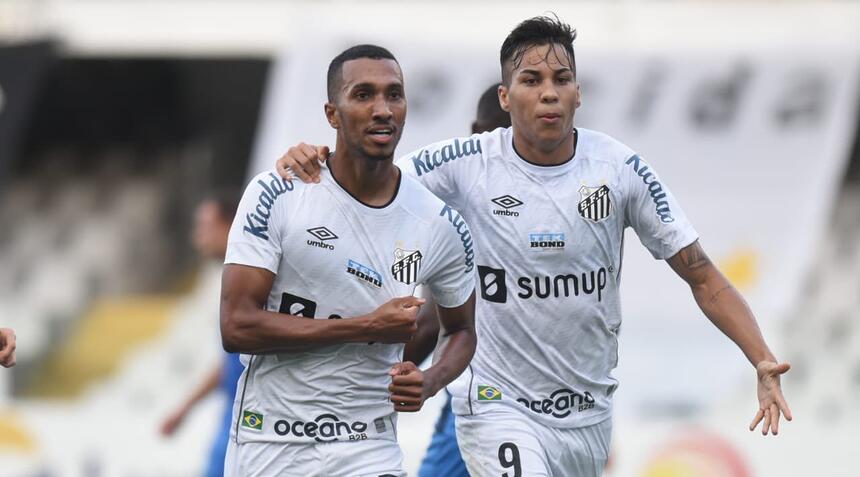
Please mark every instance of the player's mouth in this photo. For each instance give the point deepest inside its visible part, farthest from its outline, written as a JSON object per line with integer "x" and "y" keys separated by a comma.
{"x": 549, "y": 118}
{"x": 381, "y": 134}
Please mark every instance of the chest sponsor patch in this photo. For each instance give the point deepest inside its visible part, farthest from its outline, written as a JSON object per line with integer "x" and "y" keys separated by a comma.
{"x": 406, "y": 265}
{"x": 596, "y": 203}
{"x": 364, "y": 273}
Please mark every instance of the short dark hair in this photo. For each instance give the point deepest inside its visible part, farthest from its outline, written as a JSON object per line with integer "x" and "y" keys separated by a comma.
{"x": 537, "y": 31}
{"x": 333, "y": 79}
{"x": 490, "y": 114}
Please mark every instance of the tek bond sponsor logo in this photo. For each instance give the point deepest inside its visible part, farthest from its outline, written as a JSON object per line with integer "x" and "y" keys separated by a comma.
{"x": 494, "y": 284}
{"x": 257, "y": 222}
{"x": 425, "y": 160}
{"x": 546, "y": 241}
{"x": 655, "y": 188}
{"x": 364, "y": 273}
{"x": 560, "y": 404}
{"x": 465, "y": 235}
{"x": 324, "y": 428}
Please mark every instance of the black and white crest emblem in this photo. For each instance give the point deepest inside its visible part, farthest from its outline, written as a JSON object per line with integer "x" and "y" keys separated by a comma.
{"x": 596, "y": 204}
{"x": 406, "y": 265}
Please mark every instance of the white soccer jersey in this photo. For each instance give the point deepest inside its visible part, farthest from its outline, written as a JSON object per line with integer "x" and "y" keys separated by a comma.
{"x": 334, "y": 257}
{"x": 549, "y": 245}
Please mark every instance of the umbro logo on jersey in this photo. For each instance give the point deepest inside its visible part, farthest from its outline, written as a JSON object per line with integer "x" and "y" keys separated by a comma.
{"x": 364, "y": 273}
{"x": 406, "y": 265}
{"x": 546, "y": 241}
{"x": 596, "y": 204}
{"x": 507, "y": 202}
{"x": 493, "y": 286}
{"x": 323, "y": 234}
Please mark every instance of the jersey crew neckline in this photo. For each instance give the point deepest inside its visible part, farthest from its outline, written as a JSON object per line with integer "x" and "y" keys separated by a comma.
{"x": 551, "y": 169}
{"x": 366, "y": 208}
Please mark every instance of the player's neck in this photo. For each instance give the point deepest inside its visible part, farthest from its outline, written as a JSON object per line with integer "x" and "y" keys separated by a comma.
{"x": 545, "y": 153}
{"x": 372, "y": 182}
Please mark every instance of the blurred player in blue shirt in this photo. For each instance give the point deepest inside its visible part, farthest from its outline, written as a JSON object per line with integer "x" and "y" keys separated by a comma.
{"x": 212, "y": 221}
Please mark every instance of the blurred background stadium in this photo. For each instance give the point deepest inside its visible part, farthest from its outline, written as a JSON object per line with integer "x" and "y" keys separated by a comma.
{"x": 117, "y": 117}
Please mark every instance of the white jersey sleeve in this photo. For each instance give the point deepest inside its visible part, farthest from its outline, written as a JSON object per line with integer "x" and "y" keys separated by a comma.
{"x": 653, "y": 211}
{"x": 447, "y": 168}
{"x": 452, "y": 279}
{"x": 255, "y": 236}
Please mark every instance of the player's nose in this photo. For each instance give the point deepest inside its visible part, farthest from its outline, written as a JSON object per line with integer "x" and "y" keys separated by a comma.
{"x": 381, "y": 110}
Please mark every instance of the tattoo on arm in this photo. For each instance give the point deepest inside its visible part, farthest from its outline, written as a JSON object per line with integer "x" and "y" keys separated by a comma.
{"x": 694, "y": 256}
{"x": 719, "y": 292}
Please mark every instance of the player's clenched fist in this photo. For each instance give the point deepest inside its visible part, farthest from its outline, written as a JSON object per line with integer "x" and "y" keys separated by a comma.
{"x": 408, "y": 387}
{"x": 395, "y": 321}
{"x": 302, "y": 160}
{"x": 7, "y": 347}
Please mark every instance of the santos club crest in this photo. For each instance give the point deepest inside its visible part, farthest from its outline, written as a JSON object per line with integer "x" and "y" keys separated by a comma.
{"x": 406, "y": 265}
{"x": 595, "y": 204}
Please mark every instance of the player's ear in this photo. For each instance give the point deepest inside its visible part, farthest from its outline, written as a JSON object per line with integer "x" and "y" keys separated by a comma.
{"x": 578, "y": 96}
{"x": 331, "y": 115}
{"x": 503, "y": 98}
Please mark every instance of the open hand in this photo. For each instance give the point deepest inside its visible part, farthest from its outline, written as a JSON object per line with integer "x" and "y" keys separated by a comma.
{"x": 770, "y": 399}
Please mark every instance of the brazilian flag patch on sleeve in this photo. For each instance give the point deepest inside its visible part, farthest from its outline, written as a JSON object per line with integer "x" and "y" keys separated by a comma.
{"x": 252, "y": 420}
{"x": 489, "y": 393}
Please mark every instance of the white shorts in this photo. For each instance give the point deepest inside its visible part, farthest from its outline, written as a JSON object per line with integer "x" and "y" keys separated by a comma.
{"x": 504, "y": 441}
{"x": 367, "y": 458}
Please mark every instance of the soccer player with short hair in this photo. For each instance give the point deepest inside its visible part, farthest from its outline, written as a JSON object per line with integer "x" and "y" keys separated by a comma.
{"x": 549, "y": 203}
{"x": 317, "y": 293}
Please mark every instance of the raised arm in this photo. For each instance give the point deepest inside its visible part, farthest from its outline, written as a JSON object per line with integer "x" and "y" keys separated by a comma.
{"x": 726, "y": 309}
{"x": 247, "y": 327}
{"x": 410, "y": 387}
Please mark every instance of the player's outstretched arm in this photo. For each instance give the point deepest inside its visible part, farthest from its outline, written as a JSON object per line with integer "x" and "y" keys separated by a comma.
{"x": 7, "y": 347}
{"x": 246, "y": 326}
{"x": 304, "y": 161}
{"x": 410, "y": 387}
{"x": 727, "y": 309}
